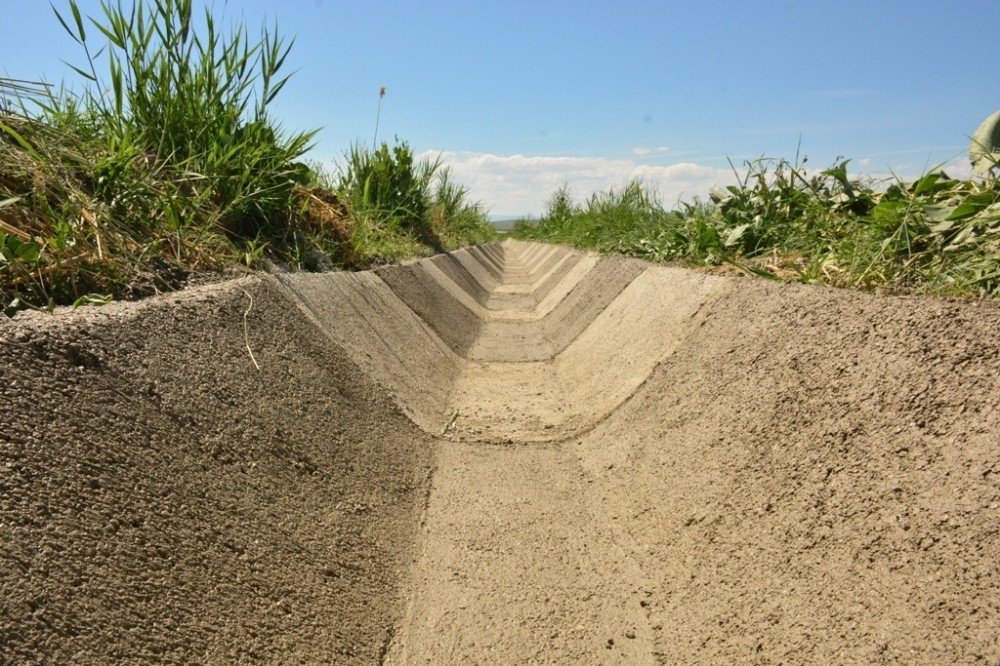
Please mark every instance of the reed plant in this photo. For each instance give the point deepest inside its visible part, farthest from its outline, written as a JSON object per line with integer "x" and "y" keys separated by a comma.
{"x": 408, "y": 201}
{"x": 169, "y": 163}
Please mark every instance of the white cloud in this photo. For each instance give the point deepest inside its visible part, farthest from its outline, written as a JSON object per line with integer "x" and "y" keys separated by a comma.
{"x": 959, "y": 167}
{"x": 643, "y": 151}
{"x": 520, "y": 185}
{"x": 956, "y": 167}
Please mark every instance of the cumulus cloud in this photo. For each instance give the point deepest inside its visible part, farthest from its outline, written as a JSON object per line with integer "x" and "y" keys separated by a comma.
{"x": 956, "y": 167}
{"x": 643, "y": 151}
{"x": 514, "y": 185}
{"x": 959, "y": 167}
{"x": 520, "y": 184}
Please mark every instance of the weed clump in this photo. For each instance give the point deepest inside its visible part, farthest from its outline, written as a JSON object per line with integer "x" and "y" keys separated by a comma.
{"x": 780, "y": 220}
{"x": 405, "y": 202}
{"x": 172, "y": 165}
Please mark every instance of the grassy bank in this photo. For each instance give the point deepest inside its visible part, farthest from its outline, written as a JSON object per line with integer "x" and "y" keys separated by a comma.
{"x": 934, "y": 235}
{"x": 169, "y": 165}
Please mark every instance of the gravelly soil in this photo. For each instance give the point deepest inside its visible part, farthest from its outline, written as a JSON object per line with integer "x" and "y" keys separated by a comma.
{"x": 813, "y": 478}
{"x": 164, "y": 501}
{"x": 631, "y": 464}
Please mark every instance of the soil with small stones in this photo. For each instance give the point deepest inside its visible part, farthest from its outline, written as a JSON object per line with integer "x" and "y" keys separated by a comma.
{"x": 515, "y": 453}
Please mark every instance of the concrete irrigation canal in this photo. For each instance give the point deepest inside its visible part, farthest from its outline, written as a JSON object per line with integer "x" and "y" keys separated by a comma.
{"x": 513, "y": 453}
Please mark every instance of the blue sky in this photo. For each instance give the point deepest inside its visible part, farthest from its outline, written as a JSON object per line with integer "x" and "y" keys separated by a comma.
{"x": 520, "y": 97}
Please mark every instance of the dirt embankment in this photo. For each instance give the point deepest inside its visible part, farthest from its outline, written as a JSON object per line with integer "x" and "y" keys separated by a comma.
{"x": 813, "y": 478}
{"x": 632, "y": 464}
{"x": 165, "y": 501}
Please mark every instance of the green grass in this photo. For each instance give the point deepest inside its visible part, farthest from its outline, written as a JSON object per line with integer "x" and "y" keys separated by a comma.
{"x": 934, "y": 235}
{"x": 406, "y": 202}
{"x": 170, "y": 163}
